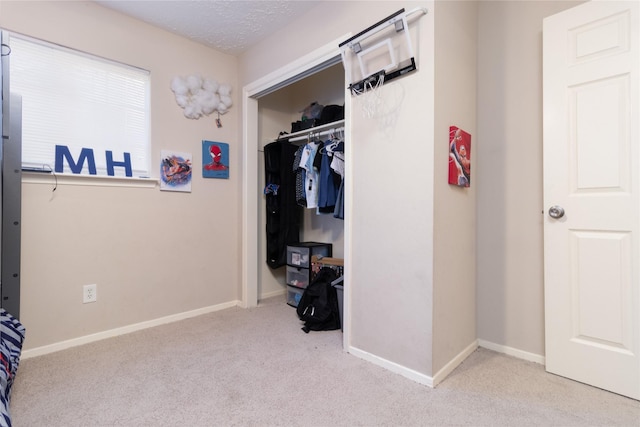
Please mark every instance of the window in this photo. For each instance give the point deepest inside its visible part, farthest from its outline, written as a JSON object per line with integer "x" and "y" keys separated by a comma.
{"x": 95, "y": 111}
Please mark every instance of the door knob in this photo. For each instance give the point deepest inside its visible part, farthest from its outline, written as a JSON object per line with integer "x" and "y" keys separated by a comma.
{"x": 556, "y": 212}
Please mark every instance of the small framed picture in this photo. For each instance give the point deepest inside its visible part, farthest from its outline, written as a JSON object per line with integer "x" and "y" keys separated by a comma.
{"x": 459, "y": 157}
{"x": 215, "y": 159}
{"x": 175, "y": 171}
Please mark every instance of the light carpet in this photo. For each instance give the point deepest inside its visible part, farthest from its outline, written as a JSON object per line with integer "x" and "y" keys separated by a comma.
{"x": 255, "y": 367}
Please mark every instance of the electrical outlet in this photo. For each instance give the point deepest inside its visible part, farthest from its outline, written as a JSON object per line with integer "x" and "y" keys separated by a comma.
{"x": 89, "y": 293}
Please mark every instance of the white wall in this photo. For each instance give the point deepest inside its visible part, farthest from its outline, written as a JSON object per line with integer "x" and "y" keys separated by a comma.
{"x": 454, "y": 299}
{"x": 509, "y": 173}
{"x": 151, "y": 253}
{"x": 391, "y": 210}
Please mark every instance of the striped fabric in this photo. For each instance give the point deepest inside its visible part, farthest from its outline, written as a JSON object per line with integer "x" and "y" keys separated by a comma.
{"x": 10, "y": 349}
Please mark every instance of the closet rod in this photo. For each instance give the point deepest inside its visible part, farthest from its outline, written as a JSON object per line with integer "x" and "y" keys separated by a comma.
{"x": 294, "y": 136}
{"x": 316, "y": 133}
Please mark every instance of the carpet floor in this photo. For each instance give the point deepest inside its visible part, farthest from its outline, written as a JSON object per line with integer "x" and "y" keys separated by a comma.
{"x": 255, "y": 367}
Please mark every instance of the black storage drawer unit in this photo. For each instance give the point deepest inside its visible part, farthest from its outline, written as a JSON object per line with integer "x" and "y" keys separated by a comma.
{"x": 299, "y": 267}
{"x": 293, "y": 295}
{"x": 299, "y": 254}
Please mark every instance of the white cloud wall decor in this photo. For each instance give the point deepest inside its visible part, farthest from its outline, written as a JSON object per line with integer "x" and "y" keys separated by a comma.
{"x": 201, "y": 96}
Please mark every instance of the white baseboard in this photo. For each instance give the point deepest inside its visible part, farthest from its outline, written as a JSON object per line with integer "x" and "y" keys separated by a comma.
{"x": 63, "y": 345}
{"x": 272, "y": 294}
{"x": 520, "y": 354}
{"x": 392, "y": 366}
{"x": 453, "y": 363}
{"x": 415, "y": 375}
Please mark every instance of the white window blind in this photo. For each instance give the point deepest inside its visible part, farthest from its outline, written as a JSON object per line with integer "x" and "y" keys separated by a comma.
{"x": 80, "y": 101}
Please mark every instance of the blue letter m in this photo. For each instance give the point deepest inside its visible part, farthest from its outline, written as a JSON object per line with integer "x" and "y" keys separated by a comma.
{"x": 62, "y": 152}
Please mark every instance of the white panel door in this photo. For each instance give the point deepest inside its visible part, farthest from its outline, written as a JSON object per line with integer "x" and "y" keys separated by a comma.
{"x": 592, "y": 195}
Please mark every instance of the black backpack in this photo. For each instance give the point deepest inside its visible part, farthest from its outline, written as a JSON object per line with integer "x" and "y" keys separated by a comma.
{"x": 318, "y": 306}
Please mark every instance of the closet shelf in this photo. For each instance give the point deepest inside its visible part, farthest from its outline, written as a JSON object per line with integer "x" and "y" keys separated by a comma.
{"x": 320, "y": 130}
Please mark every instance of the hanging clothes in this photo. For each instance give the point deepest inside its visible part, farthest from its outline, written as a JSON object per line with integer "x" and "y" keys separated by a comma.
{"x": 311, "y": 173}
{"x": 283, "y": 215}
{"x": 337, "y": 160}
{"x": 301, "y": 195}
{"x": 337, "y": 165}
{"x": 318, "y": 169}
{"x": 329, "y": 185}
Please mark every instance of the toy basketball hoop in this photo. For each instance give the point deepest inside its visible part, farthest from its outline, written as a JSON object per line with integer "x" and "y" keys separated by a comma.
{"x": 379, "y": 54}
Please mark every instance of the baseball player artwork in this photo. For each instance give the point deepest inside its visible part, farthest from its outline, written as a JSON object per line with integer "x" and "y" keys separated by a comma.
{"x": 215, "y": 159}
{"x": 459, "y": 157}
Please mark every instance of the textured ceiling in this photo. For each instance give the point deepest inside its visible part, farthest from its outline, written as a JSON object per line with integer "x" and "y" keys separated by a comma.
{"x": 231, "y": 26}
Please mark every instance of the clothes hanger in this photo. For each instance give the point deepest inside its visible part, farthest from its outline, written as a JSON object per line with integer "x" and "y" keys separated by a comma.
{"x": 335, "y": 141}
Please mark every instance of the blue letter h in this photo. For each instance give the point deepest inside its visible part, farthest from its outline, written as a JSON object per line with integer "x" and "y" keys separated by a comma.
{"x": 126, "y": 163}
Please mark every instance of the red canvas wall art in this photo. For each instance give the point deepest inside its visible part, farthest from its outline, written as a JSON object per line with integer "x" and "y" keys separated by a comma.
{"x": 459, "y": 157}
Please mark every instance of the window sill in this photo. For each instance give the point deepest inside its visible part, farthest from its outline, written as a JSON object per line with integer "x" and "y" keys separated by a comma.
{"x": 87, "y": 180}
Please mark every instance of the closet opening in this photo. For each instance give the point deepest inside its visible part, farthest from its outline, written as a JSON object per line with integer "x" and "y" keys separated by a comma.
{"x": 279, "y": 112}
{"x": 270, "y": 106}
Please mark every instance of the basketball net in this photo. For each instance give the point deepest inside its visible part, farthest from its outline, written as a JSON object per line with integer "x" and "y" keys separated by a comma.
{"x": 369, "y": 98}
